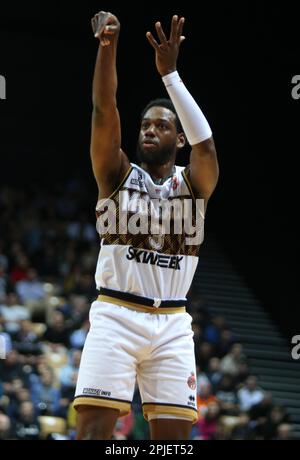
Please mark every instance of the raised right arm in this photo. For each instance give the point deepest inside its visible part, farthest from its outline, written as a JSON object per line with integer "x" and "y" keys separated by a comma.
{"x": 109, "y": 162}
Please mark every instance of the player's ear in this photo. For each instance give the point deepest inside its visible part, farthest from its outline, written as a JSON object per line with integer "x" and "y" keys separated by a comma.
{"x": 181, "y": 140}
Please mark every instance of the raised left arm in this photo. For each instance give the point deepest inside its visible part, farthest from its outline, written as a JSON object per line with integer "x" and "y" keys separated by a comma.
{"x": 203, "y": 170}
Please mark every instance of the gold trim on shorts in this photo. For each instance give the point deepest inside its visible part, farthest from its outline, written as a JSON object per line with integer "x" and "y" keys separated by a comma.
{"x": 169, "y": 409}
{"x": 138, "y": 307}
{"x": 124, "y": 407}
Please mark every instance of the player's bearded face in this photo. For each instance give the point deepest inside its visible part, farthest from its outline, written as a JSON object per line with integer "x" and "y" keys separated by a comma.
{"x": 158, "y": 155}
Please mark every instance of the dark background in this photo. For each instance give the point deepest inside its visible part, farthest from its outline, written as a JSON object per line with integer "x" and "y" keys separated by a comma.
{"x": 237, "y": 61}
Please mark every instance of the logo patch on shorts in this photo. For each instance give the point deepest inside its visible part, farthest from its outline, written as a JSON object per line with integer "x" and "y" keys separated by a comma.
{"x": 191, "y": 381}
{"x": 96, "y": 392}
{"x": 191, "y": 401}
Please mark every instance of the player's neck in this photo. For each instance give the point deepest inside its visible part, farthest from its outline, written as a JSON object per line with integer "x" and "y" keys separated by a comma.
{"x": 159, "y": 173}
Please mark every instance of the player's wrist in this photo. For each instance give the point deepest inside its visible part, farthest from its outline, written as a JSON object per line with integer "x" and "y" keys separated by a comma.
{"x": 170, "y": 76}
{"x": 167, "y": 71}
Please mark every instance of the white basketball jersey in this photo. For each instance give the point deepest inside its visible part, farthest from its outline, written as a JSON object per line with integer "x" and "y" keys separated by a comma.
{"x": 149, "y": 258}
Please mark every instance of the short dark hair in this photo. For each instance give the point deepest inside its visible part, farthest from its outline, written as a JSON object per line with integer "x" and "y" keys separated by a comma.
{"x": 166, "y": 103}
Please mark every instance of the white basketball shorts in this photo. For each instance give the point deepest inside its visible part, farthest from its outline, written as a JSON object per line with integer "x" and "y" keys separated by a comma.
{"x": 156, "y": 349}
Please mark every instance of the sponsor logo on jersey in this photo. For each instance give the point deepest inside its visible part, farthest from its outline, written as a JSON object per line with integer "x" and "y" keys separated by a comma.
{"x": 138, "y": 182}
{"x": 146, "y": 257}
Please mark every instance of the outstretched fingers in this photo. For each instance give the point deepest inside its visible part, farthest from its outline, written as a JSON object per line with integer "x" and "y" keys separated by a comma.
{"x": 152, "y": 40}
{"x": 160, "y": 33}
{"x": 173, "y": 34}
{"x": 176, "y": 29}
{"x": 180, "y": 27}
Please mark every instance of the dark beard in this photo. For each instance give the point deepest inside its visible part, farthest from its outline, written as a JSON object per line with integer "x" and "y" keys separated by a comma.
{"x": 159, "y": 157}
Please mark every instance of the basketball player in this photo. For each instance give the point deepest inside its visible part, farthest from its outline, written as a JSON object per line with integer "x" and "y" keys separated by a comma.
{"x": 139, "y": 326}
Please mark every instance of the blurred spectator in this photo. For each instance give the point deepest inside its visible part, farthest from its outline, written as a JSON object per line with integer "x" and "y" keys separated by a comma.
{"x": 214, "y": 372}
{"x": 227, "y": 396}
{"x": 12, "y": 313}
{"x": 207, "y": 425}
{"x": 212, "y": 332}
{"x": 45, "y": 397}
{"x": 259, "y": 412}
{"x": 201, "y": 377}
{"x": 3, "y": 261}
{"x": 5, "y": 283}
{"x": 68, "y": 375}
{"x": 231, "y": 362}
{"x": 58, "y": 331}
{"x": 82, "y": 230}
{"x": 250, "y": 394}
{"x": 5, "y": 427}
{"x": 85, "y": 286}
{"x": 284, "y": 432}
{"x": 204, "y": 398}
{"x": 77, "y": 338}
{"x": 11, "y": 369}
{"x": 46, "y": 260}
{"x": 198, "y": 312}
{"x": 204, "y": 353}
{"x": 30, "y": 288}
{"x": 27, "y": 425}
{"x": 268, "y": 428}
{"x": 225, "y": 343}
{"x": 21, "y": 395}
{"x": 26, "y": 340}
{"x": 80, "y": 310}
{"x": 243, "y": 372}
{"x": 243, "y": 430}
{"x": 7, "y": 342}
{"x": 20, "y": 269}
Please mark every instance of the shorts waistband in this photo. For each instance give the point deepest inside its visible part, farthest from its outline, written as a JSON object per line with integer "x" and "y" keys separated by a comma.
{"x": 139, "y": 303}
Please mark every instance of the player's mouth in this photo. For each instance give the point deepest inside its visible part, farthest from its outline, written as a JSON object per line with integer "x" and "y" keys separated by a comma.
{"x": 147, "y": 143}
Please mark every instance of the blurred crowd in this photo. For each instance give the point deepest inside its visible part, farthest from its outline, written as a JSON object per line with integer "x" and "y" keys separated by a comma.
{"x": 48, "y": 254}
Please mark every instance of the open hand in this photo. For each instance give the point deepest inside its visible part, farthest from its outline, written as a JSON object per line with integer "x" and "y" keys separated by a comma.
{"x": 166, "y": 52}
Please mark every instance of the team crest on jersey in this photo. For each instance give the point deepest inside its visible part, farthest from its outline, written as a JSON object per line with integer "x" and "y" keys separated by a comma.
{"x": 191, "y": 381}
{"x": 175, "y": 183}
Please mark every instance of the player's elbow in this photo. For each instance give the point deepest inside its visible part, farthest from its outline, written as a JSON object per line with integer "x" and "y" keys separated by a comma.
{"x": 97, "y": 111}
